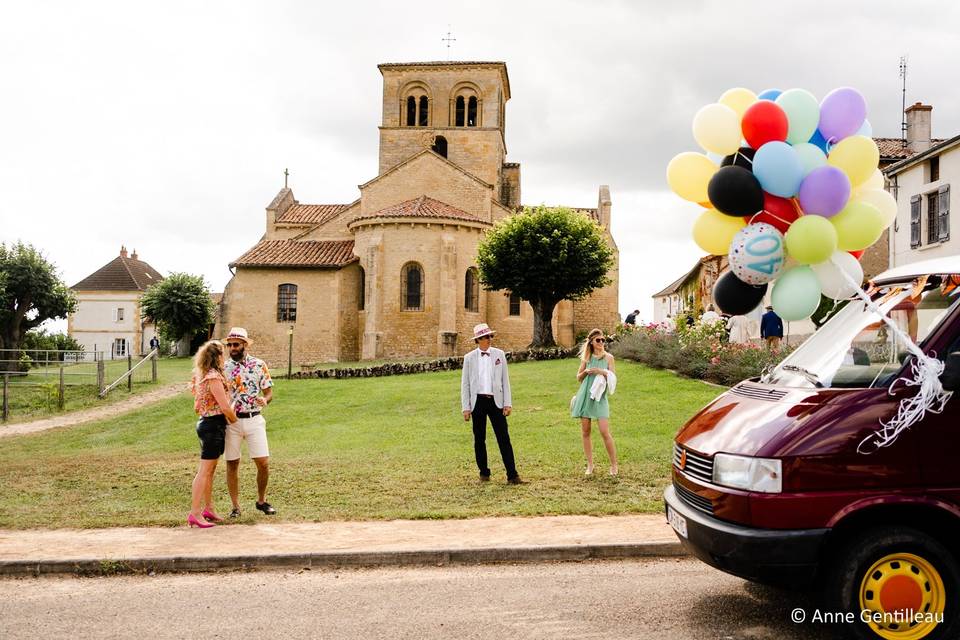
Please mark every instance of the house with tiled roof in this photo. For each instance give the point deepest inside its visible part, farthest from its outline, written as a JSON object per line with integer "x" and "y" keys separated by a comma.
{"x": 108, "y": 319}
{"x": 393, "y": 274}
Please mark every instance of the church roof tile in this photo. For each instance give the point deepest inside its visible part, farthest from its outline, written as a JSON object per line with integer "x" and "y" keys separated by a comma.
{"x": 298, "y": 253}
{"x": 423, "y": 207}
{"x": 310, "y": 213}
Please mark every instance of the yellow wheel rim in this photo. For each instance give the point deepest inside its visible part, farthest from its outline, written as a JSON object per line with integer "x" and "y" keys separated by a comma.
{"x": 895, "y": 588}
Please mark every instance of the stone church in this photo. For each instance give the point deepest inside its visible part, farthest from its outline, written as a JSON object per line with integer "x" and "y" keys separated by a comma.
{"x": 393, "y": 274}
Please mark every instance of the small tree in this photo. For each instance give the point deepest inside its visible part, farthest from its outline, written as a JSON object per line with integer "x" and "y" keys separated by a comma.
{"x": 179, "y": 304}
{"x": 545, "y": 255}
{"x": 31, "y": 292}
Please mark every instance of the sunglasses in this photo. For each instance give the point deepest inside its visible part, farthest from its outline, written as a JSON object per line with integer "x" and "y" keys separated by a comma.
{"x": 599, "y": 340}
{"x": 234, "y": 345}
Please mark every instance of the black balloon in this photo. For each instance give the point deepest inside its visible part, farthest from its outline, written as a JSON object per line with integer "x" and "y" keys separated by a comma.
{"x": 734, "y": 296}
{"x": 735, "y": 191}
{"x": 742, "y": 158}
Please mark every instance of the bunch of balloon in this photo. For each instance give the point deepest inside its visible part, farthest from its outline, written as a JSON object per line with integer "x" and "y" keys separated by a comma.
{"x": 792, "y": 195}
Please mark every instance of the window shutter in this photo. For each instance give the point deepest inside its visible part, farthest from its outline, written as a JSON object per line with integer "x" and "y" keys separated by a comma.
{"x": 944, "y": 213}
{"x": 114, "y": 315}
{"x": 915, "y": 222}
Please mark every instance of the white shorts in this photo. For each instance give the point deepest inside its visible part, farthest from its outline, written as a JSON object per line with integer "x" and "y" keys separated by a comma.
{"x": 254, "y": 431}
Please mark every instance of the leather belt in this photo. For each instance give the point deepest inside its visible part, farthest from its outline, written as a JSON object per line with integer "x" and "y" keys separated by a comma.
{"x": 484, "y": 395}
{"x": 246, "y": 414}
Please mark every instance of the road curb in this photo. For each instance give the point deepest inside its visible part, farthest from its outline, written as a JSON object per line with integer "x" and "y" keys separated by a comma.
{"x": 332, "y": 560}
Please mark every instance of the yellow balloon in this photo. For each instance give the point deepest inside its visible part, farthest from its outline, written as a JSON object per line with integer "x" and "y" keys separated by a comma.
{"x": 738, "y": 99}
{"x": 716, "y": 128}
{"x": 882, "y": 200}
{"x": 713, "y": 231}
{"x": 875, "y": 181}
{"x": 689, "y": 173}
{"x": 856, "y": 156}
{"x": 811, "y": 239}
{"x": 858, "y": 226}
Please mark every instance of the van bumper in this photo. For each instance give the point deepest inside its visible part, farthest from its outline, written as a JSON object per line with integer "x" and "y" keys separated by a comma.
{"x": 785, "y": 558}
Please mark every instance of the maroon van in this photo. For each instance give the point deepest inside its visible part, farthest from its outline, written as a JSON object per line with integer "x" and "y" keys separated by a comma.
{"x": 769, "y": 483}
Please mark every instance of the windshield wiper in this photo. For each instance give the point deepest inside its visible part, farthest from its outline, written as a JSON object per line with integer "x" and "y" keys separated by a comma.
{"x": 809, "y": 375}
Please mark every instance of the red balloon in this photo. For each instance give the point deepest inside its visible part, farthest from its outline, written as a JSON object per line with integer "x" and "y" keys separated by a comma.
{"x": 780, "y": 212}
{"x": 855, "y": 254}
{"x": 763, "y": 122}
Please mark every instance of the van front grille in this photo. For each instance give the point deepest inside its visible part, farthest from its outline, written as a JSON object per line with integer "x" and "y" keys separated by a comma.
{"x": 698, "y": 502}
{"x": 698, "y": 467}
{"x": 758, "y": 392}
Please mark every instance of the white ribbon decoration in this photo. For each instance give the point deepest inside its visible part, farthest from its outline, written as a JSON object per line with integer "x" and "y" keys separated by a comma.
{"x": 924, "y": 373}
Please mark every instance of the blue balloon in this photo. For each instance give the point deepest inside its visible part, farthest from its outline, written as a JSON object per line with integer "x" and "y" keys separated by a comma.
{"x": 778, "y": 168}
{"x": 818, "y": 140}
{"x": 769, "y": 94}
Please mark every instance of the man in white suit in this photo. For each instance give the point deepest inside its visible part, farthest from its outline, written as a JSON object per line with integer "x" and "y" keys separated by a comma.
{"x": 485, "y": 392}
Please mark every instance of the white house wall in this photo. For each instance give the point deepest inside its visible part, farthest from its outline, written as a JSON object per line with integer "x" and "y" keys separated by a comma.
{"x": 911, "y": 182}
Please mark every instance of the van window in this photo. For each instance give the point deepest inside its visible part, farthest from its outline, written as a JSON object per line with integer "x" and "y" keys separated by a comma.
{"x": 856, "y": 349}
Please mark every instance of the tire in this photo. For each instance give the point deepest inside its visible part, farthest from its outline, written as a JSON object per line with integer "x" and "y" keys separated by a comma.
{"x": 897, "y": 567}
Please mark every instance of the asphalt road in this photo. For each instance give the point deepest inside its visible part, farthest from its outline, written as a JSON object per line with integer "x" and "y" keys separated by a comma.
{"x": 655, "y": 599}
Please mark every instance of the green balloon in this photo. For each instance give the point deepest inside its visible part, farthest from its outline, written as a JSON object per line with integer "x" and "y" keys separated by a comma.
{"x": 858, "y": 226}
{"x": 803, "y": 114}
{"x": 796, "y": 293}
{"x": 811, "y": 239}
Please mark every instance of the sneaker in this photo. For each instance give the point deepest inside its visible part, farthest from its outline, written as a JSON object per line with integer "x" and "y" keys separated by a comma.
{"x": 235, "y": 513}
{"x": 266, "y": 508}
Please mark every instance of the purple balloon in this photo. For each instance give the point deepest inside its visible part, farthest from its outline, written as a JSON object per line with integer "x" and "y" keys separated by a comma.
{"x": 842, "y": 113}
{"x": 824, "y": 192}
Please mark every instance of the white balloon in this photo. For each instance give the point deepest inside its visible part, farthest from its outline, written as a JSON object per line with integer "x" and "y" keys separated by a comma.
{"x": 875, "y": 181}
{"x": 882, "y": 200}
{"x": 830, "y": 274}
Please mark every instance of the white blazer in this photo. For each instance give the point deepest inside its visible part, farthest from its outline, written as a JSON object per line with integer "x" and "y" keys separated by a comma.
{"x": 470, "y": 379}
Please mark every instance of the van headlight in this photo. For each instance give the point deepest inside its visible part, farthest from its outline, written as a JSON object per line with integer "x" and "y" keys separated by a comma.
{"x": 764, "y": 475}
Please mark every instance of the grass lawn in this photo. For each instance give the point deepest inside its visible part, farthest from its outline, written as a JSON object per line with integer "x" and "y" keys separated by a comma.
{"x": 367, "y": 448}
{"x": 35, "y": 395}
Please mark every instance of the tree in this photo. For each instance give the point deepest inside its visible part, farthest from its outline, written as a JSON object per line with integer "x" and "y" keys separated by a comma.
{"x": 545, "y": 255}
{"x": 179, "y": 304}
{"x": 31, "y": 292}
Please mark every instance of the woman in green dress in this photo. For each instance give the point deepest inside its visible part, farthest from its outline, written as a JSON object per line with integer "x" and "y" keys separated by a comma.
{"x": 594, "y": 361}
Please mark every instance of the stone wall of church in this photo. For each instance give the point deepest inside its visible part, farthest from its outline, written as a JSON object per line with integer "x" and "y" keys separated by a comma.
{"x": 599, "y": 310}
{"x": 252, "y": 303}
{"x": 480, "y": 152}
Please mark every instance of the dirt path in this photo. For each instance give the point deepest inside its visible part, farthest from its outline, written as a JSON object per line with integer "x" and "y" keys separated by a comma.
{"x": 94, "y": 413}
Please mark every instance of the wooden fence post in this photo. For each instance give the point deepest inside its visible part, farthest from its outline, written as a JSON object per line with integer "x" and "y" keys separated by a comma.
{"x": 60, "y": 391}
{"x": 101, "y": 376}
{"x": 129, "y": 375}
{"x": 153, "y": 365}
{"x": 6, "y": 409}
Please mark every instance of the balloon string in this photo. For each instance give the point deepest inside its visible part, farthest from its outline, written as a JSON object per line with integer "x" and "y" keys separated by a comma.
{"x": 924, "y": 373}
{"x": 740, "y": 155}
{"x": 829, "y": 144}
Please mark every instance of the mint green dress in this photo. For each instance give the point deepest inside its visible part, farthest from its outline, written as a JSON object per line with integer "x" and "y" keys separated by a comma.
{"x": 583, "y": 405}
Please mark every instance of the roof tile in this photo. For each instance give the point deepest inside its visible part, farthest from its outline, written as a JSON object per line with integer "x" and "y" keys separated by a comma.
{"x": 423, "y": 207}
{"x": 310, "y": 213}
{"x": 298, "y": 253}
{"x": 120, "y": 274}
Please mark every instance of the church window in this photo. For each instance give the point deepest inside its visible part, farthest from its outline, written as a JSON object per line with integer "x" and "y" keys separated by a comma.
{"x": 460, "y": 111}
{"x": 412, "y": 287}
{"x": 287, "y": 303}
{"x": 362, "y": 294}
{"x": 440, "y": 146}
{"x": 472, "y": 111}
{"x": 514, "y": 304}
{"x": 411, "y": 111}
{"x": 423, "y": 114}
{"x": 471, "y": 291}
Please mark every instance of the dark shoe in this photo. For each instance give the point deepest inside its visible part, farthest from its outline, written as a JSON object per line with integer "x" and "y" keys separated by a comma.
{"x": 266, "y": 508}
{"x": 516, "y": 480}
{"x": 484, "y": 478}
{"x": 235, "y": 513}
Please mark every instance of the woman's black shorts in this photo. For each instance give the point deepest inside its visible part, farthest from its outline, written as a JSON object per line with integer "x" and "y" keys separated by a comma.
{"x": 211, "y": 430}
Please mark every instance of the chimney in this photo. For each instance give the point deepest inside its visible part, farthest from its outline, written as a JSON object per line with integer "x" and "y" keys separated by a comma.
{"x": 123, "y": 251}
{"x": 918, "y": 127}
{"x": 134, "y": 254}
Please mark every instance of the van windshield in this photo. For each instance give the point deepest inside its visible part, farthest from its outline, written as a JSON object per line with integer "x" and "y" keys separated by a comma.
{"x": 856, "y": 349}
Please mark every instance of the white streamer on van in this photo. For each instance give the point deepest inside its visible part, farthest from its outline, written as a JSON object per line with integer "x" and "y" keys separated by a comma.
{"x": 924, "y": 373}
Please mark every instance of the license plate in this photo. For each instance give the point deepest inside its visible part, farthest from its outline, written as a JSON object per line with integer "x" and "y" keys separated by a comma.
{"x": 677, "y": 521}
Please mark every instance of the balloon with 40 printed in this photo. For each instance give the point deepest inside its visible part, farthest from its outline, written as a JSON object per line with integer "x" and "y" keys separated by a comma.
{"x": 790, "y": 191}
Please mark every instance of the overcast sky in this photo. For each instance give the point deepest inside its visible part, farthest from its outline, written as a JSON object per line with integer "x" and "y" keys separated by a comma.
{"x": 166, "y": 127}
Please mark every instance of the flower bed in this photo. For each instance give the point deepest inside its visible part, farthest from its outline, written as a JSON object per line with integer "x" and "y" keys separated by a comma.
{"x": 701, "y": 351}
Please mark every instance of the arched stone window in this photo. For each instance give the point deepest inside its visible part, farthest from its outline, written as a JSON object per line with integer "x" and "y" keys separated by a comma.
{"x": 415, "y": 105}
{"x": 514, "y": 304}
{"x": 287, "y": 303}
{"x": 411, "y": 287}
{"x": 440, "y": 146}
{"x": 465, "y": 105}
{"x": 423, "y": 115}
{"x": 362, "y": 293}
{"x": 472, "y": 111}
{"x": 461, "y": 110}
{"x": 411, "y": 111}
{"x": 471, "y": 290}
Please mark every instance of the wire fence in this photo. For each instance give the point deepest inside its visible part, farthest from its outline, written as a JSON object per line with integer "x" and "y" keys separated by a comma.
{"x": 48, "y": 379}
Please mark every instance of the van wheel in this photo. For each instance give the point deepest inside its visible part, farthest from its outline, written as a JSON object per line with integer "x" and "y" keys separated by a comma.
{"x": 891, "y": 574}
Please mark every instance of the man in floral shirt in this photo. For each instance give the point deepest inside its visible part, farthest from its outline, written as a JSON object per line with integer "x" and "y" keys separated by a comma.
{"x": 251, "y": 389}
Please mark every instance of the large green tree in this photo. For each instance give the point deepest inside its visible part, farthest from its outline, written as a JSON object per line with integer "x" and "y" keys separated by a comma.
{"x": 180, "y": 305}
{"x": 545, "y": 255}
{"x": 31, "y": 292}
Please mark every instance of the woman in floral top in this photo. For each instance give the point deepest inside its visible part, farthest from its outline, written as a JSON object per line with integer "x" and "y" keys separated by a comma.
{"x": 212, "y": 404}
